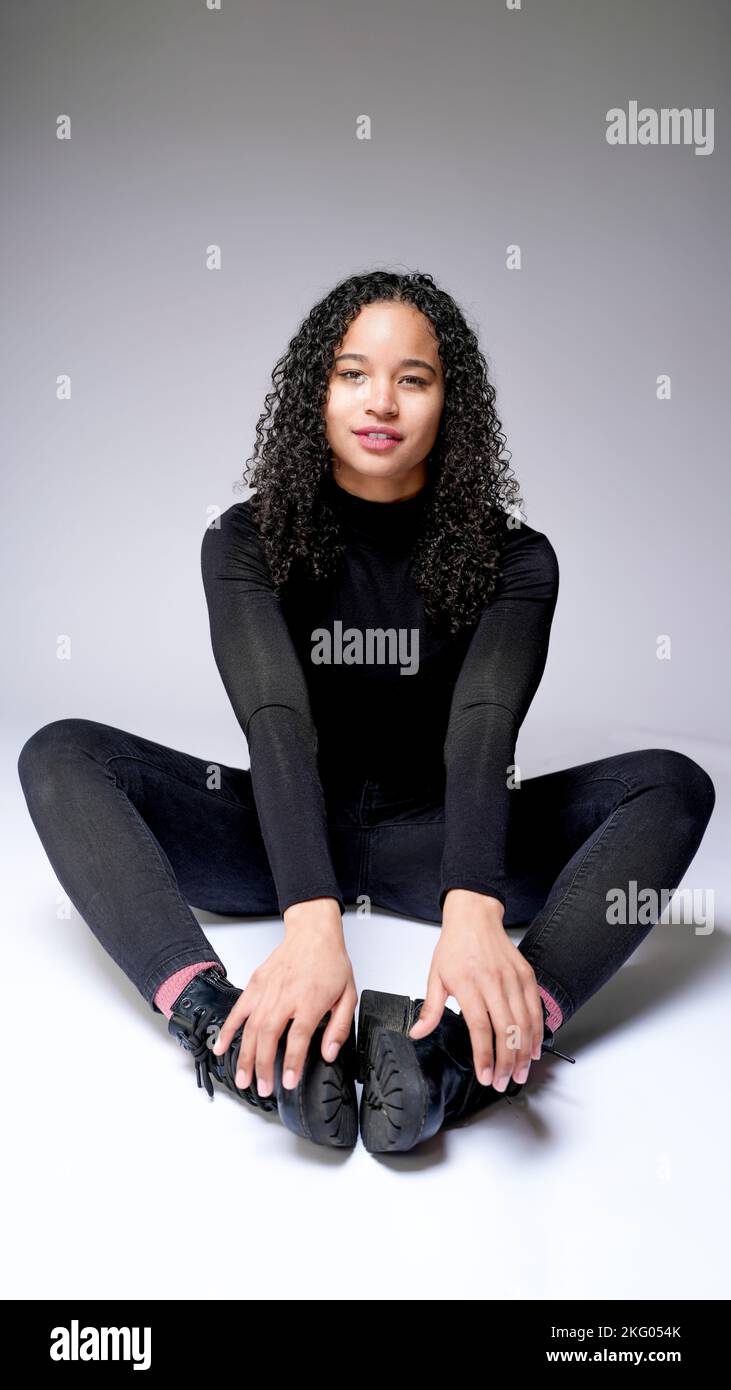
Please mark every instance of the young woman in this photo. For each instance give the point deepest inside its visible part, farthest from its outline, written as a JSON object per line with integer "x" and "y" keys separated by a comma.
{"x": 380, "y": 616}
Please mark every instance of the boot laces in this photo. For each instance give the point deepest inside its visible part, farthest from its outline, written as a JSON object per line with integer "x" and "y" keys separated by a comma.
{"x": 548, "y": 1047}
{"x": 513, "y": 1087}
{"x": 192, "y": 1034}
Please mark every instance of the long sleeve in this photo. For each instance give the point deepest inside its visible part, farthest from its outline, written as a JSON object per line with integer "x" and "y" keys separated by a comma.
{"x": 500, "y": 674}
{"x": 265, "y": 683}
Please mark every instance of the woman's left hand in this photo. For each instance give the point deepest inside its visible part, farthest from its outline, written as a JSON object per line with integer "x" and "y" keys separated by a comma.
{"x": 477, "y": 964}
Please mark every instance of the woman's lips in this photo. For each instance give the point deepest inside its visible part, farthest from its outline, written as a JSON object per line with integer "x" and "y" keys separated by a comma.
{"x": 377, "y": 446}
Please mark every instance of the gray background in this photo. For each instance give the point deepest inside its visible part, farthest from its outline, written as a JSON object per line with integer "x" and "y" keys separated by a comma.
{"x": 238, "y": 128}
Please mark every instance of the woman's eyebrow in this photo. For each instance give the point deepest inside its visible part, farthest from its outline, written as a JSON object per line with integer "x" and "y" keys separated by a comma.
{"x": 406, "y": 362}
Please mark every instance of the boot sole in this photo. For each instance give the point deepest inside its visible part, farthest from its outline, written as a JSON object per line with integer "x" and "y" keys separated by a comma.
{"x": 392, "y": 1012}
{"x": 323, "y": 1107}
{"x": 394, "y": 1099}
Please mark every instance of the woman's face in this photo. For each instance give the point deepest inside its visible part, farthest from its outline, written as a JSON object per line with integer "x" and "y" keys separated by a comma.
{"x": 375, "y": 385}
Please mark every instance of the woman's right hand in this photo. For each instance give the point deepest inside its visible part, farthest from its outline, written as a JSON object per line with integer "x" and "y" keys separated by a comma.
{"x": 308, "y": 974}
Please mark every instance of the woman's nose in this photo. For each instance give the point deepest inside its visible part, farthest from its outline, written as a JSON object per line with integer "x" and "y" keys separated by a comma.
{"x": 381, "y": 400}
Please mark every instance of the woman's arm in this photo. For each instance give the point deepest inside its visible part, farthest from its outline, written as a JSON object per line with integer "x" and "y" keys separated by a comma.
{"x": 499, "y": 676}
{"x": 264, "y": 681}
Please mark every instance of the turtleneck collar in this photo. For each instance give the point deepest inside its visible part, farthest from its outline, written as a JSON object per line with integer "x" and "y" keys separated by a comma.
{"x": 384, "y": 525}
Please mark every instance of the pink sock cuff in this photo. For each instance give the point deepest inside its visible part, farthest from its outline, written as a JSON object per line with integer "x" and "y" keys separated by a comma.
{"x": 174, "y": 985}
{"x": 555, "y": 1016}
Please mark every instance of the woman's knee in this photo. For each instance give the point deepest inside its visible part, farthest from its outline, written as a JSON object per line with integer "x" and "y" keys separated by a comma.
{"x": 47, "y": 749}
{"x": 688, "y": 780}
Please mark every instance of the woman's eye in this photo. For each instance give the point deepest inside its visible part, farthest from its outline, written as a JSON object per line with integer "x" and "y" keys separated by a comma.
{"x": 352, "y": 372}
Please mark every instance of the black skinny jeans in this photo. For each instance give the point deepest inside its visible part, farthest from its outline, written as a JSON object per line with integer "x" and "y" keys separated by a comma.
{"x": 136, "y": 831}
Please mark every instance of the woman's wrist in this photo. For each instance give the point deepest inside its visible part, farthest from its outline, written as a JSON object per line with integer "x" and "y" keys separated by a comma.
{"x": 462, "y": 902}
{"x": 313, "y": 912}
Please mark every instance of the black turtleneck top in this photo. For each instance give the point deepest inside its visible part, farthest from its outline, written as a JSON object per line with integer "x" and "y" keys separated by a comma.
{"x": 313, "y": 698}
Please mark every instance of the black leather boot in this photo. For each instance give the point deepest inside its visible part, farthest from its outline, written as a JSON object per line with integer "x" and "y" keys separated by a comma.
{"x": 322, "y": 1107}
{"x": 412, "y": 1087}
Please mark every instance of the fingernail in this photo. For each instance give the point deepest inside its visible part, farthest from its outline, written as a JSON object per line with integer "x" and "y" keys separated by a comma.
{"x": 331, "y": 1051}
{"x": 500, "y": 1084}
{"x": 289, "y": 1078}
{"x": 486, "y": 1076}
{"x": 263, "y": 1087}
{"x": 522, "y": 1074}
{"x": 240, "y": 1078}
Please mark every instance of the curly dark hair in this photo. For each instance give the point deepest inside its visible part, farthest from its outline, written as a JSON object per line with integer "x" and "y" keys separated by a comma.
{"x": 455, "y": 562}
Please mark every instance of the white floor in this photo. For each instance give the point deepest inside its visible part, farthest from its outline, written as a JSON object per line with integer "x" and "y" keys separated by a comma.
{"x": 607, "y": 1179}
